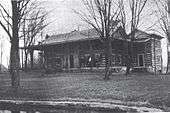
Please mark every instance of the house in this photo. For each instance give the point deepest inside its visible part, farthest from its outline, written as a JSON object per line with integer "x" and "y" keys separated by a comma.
{"x": 84, "y": 50}
{"x": 147, "y": 51}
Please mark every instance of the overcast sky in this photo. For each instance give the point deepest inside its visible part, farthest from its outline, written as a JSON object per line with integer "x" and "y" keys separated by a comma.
{"x": 62, "y": 15}
{"x": 65, "y": 20}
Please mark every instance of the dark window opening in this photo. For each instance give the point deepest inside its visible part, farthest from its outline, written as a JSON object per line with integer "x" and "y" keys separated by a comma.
{"x": 71, "y": 61}
{"x": 141, "y": 60}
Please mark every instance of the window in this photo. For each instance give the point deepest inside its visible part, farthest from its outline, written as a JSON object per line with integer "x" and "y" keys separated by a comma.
{"x": 82, "y": 61}
{"x": 140, "y": 60}
{"x": 113, "y": 59}
{"x": 57, "y": 62}
{"x": 118, "y": 60}
{"x": 71, "y": 61}
{"x": 97, "y": 60}
{"x": 158, "y": 58}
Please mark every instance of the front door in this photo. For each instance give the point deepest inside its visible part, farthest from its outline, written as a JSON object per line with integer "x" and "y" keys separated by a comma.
{"x": 141, "y": 60}
{"x": 71, "y": 61}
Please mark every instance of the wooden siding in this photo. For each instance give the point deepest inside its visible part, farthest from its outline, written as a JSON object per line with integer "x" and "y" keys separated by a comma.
{"x": 156, "y": 54}
{"x": 59, "y": 56}
{"x": 148, "y": 54}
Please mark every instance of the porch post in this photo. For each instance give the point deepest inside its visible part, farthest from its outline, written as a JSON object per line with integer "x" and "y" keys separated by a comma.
{"x": 32, "y": 58}
{"x": 68, "y": 57}
{"x": 76, "y": 57}
{"x": 45, "y": 65}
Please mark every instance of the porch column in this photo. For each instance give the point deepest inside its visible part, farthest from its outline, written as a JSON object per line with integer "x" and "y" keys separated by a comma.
{"x": 68, "y": 61}
{"x": 68, "y": 56}
{"x": 44, "y": 59}
{"x": 76, "y": 57}
{"x": 32, "y": 58}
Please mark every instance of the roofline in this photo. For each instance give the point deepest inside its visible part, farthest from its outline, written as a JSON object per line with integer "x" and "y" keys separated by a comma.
{"x": 46, "y": 44}
{"x": 160, "y": 37}
{"x": 35, "y": 47}
{"x": 40, "y": 46}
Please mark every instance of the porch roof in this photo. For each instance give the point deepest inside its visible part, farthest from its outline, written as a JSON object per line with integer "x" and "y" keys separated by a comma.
{"x": 73, "y": 36}
{"x": 91, "y": 34}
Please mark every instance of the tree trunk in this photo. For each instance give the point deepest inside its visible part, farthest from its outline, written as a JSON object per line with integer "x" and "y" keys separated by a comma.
{"x": 32, "y": 59}
{"x": 129, "y": 62}
{"x": 14, "y": 53}
{"x": 25, "y": 62}
{"x": 167, "y": 69}
{"x": 14, "y": 64}
{"x": 129, "y": 57}
{"x": 128, "y": 65}
{"x": 108, "y": 53}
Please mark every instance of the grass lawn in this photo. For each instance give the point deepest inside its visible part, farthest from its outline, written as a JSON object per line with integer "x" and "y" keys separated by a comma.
{"x": 137, "y": 87}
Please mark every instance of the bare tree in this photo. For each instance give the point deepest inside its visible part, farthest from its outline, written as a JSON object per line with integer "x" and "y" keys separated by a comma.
{"x": 1, "y": 47}
{"x": 136, "y": 9}
{"x": 33, "y": 23}
{"x": 102, "y": 15}
{"x": 11, "y": 24}
{"x": 163, "y": 21}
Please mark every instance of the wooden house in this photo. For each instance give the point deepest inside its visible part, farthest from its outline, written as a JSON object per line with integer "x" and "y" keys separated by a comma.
{"x": 84, "y": 50}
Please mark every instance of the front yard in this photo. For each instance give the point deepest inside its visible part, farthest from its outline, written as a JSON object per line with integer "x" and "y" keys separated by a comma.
{"x": 136, "y": 87}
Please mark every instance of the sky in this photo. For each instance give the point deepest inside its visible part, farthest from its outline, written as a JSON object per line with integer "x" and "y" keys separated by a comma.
{"x": 64, "y": 20}
{"x": 62, "y": 15}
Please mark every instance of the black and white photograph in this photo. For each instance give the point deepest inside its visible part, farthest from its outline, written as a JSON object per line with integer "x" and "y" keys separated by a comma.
{"x": 84, "y": 56}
